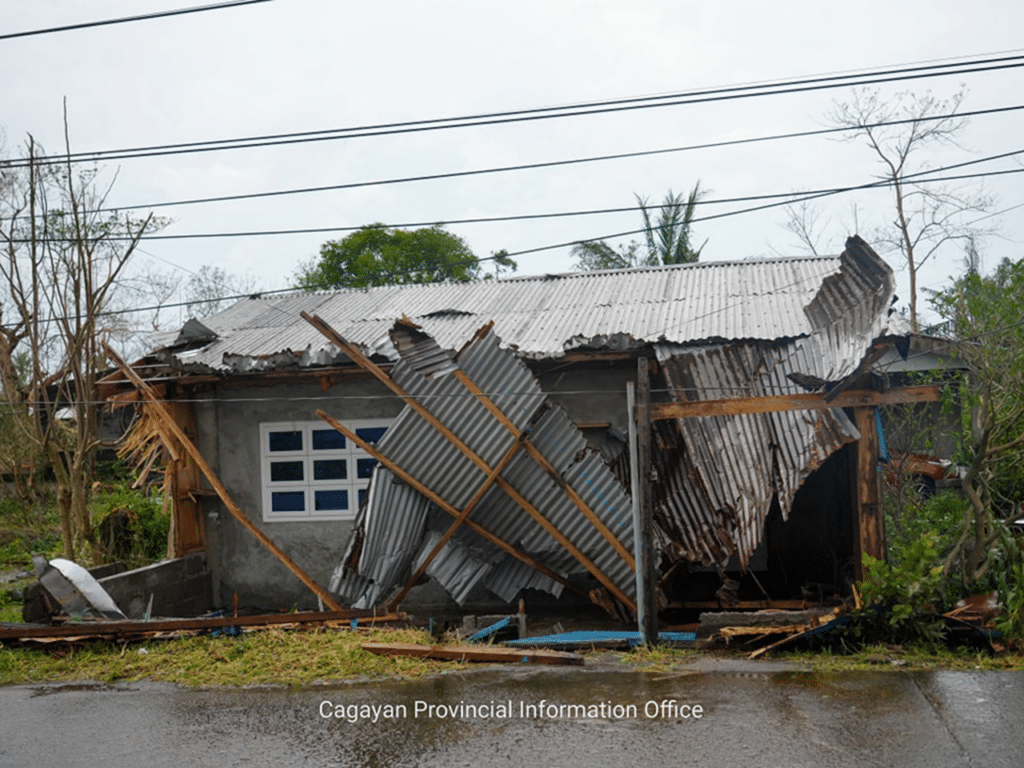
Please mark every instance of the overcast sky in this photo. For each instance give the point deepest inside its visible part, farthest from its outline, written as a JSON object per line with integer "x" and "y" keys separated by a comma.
{"x": 290, "y": 66}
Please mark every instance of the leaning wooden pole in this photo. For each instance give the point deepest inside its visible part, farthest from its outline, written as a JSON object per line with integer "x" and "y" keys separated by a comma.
{"x": 445, "y": 506}
{"x": 168, "y": 426}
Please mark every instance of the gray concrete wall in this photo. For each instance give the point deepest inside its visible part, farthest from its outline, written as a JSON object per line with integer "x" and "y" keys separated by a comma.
{"x": 179, "y": 588}
{"x": 228, "y": 428}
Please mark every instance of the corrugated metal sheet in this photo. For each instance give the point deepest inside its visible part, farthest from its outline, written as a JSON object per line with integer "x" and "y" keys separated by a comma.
{"x": 427, "y": 455}
{"x": 539, "y": 317}
{"x": 720, "y": 474}
{"x": 376, "y": 554}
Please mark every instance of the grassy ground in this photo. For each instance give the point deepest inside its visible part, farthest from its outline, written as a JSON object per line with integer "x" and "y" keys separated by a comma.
{"x": 311, "y": 656}
{"x": 274, "y": 656}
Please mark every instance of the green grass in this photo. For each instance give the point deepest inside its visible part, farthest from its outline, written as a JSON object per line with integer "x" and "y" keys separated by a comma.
{"x": 882, "y": 658}
{"x": 263, "y": 657}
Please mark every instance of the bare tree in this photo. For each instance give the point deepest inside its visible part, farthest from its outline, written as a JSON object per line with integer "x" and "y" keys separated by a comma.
{"x": 211, "y": 288}
{"x": 61, "y": 261}
{"x": 927, "y": 215}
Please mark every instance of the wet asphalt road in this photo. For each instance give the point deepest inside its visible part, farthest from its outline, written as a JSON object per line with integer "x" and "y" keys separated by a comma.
{"x": 589, "y": 718}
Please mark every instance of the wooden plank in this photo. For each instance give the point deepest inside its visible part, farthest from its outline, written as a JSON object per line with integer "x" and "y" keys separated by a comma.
{"x": 358, "y": 357}
{"x": 797, "y": 402}
{"x": 869, "y": 522}
{"x": 171, "y": 430}
{"x": 483, "y": 653}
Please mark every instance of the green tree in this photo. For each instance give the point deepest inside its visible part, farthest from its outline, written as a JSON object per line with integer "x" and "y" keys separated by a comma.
{"x": 666, "y": 237}
{"x": 984, "y": 313}
{"x": 379, "y": 255}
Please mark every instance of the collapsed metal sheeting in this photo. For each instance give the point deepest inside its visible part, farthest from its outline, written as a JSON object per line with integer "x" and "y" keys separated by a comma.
{"x": 718, "y": 475}
{"x": 391, "y": 522}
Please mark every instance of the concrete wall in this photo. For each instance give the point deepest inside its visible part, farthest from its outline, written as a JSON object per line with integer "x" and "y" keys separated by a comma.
{"x": 228, "y": 424}
{"x": 179, "y": 588}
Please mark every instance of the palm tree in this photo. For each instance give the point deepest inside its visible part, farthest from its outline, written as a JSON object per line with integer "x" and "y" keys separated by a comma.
{"x": 667, "y": 237}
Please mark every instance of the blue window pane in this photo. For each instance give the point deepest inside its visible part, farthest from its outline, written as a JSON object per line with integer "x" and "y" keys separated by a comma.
{"x": 330, "y": 500}
{"x": 288, "y": 501}
{"x": 328, "y": 440}
{"x": 364, "y": 468}
{"x": 371, "y": 434}
{"x": 362, "y": 497}
{"x": 286, "y": 441}
{"x": 330, "y": 469}
{"x": 286, "y": 471}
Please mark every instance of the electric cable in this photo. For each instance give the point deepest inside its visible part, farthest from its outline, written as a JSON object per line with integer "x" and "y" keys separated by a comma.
{"x": 686, "y": 98}
{"x": 125, "y": 19}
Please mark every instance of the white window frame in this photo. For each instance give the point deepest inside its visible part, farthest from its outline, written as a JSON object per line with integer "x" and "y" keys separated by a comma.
{"x": 308, "y": 486}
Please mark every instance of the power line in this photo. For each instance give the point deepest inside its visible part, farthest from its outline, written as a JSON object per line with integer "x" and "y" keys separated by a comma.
{"x": 125, "y": 19}
{"x": 558, "y": 163}
{"x": 727, "y": 93}
{"x": 780, "y": 198}
{"x": 788, "y": 198}
{"x": 802, "y": 198}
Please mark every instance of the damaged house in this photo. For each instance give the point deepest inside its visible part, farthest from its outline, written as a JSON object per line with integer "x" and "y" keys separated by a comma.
{"x": 465, "y": 444}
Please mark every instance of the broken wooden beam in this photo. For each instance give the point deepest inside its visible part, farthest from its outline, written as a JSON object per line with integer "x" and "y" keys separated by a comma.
{"x": 170, "y": 429}
{"x": 798, "y": 402}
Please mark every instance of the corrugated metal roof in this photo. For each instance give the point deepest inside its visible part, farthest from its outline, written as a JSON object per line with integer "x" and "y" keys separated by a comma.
{"x": 720, "y": 474}
{"x": 427, "y": 455}
{"x": 540, "y": 317}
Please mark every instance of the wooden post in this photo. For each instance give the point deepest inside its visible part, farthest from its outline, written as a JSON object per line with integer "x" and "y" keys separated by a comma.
{"x": 647, "y": 617}
{"x": 869, "y": 528}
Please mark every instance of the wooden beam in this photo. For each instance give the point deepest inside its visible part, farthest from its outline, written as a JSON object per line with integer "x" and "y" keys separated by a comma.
{"x": 774, "y": 403}
{"x": 362, "y": 360}
{"x": 869, "y": 522}
{"x": 170, "y": 429}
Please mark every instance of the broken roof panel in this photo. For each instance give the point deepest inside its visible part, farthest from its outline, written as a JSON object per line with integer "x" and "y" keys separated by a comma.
{"x": 721, "y": 473}
{"x": 425, "y": 453}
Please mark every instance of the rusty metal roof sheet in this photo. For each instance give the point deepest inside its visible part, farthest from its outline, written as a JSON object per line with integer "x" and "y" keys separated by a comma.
{"x": 540, "y": 317}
